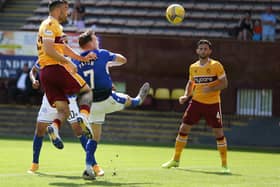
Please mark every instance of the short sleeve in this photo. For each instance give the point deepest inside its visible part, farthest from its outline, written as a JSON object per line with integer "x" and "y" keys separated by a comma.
{"x": 109, "y": 55}
{"x": 37, "y": 65}
{"x": 52, "y": 31}
{"x": 191, "y": 78}
{"x": 220, "y": 71}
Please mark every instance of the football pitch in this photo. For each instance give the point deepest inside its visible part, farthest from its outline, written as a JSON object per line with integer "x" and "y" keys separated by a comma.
{"x": 135, "y": 166}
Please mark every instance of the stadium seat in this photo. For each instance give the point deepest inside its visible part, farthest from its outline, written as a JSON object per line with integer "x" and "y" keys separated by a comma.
{"x": 151, "y": 92}
{"x": 188, "y": 5}
{"x": 162, "y": 99}
{"x": 103, "y": 3}
{"x": 147, "y": 23}
{"x": 119, "y": 21}
{"x": 202, "y": 6}
{"x": 158, "y": 4}
{"x": 156, "y": 31}
{"x": 198, "y": 15}
{"x": 246, "y": 7}
{"x": 213, "y": 15}
{"x": 231, "y": 7}
{"x": 175, "y": 94}
{"x": 131, "y": 3}
{"x": 148, "y": 103}
{"x": 145, "y": 4}
{"x": 204, "y": 25}
{"x": 142, "y": 31}
{"x": 147, "y": 17}
{"x": 162, "y": 94}
{"x": 117, "y": 3}
{"x": 133, "y": 22}
{"x": 216, "y": 6}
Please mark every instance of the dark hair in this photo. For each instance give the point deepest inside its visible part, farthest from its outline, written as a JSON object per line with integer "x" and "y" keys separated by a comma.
{"x": 85, "y": 37}
{"x": 55, "y": 3}
{"x": 203, "y": 41}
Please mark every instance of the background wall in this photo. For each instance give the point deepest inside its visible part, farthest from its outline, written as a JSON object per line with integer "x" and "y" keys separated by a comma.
{"x": 164, "y": 62}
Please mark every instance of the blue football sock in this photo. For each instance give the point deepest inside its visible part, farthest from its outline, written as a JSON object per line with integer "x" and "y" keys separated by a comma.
{"x": 37, "y": 145}
{"x": 135, "y": 101}
{"x": 90, "y": 150}
{"x": 83, "y": 139}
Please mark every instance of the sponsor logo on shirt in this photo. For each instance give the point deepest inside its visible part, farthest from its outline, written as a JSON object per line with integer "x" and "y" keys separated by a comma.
{"x": 204, "y": 79}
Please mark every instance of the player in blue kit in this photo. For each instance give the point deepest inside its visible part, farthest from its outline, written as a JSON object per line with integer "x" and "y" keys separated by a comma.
{"x": 105, "y": 100}
{"x": 45, "y": 117}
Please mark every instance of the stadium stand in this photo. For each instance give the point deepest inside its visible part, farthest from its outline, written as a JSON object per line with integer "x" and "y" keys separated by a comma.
{"x": 124, "y": 126}
{"x": 162, "y": 99}
{"x": 15, "y": 12}
{"x": 175, "y": 94}
{"x": 2, "y": 2}
{"x": 162, "y": 93}
{"x": 203, "y": 18}
{"x": 135, "y": 126}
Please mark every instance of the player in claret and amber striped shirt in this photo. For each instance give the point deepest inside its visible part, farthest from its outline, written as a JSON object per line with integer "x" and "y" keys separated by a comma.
{"x": 206, "y": 80}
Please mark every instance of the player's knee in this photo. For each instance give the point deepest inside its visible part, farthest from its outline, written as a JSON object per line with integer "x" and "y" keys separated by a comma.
{"x": 96, "y": 135}
{"x": 218, "y": 132}
{"x": 40, "y": 129}
{"x": 184, "y": 128}
{"x": 64, "y": 112}
{"x": 97, "y": 138}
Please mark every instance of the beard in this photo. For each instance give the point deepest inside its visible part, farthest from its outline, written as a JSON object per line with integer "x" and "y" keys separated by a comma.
{"x": 63, "y": 19}
{"x": 203, "y": 56}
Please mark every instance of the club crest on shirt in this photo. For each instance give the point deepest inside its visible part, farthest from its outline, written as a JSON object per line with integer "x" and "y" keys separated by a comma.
{"x": 48, "y": 33}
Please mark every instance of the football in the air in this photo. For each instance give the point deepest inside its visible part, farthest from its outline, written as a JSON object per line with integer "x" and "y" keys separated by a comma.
{"x": 175, "y": 13}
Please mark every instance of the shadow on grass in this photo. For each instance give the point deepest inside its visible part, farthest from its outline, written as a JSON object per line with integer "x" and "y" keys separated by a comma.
{"x": 208, "y": 172}
{"x": 99, "y": 183}
{"x": 88, "y": 182}
{"x": 58, "y": 176}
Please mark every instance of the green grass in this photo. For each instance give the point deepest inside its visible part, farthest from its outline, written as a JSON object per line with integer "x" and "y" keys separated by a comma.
{"x": 136, "y": 166}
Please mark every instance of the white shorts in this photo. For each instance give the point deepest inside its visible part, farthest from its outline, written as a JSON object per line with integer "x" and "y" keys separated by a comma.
{"x": 115, "y": 102}
{"x": 47, "y": 113}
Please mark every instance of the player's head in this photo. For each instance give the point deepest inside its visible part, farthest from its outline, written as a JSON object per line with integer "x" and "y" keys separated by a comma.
{"x": 204, "y": 48}
{"x": 88, "y": 40}
{"x": 59, "y": 9}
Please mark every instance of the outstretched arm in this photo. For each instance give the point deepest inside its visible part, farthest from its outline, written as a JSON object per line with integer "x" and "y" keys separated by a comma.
{"x": 48, "y": 46}
{"x": 119, "y": 60}
{"x": 68, "y": 51}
